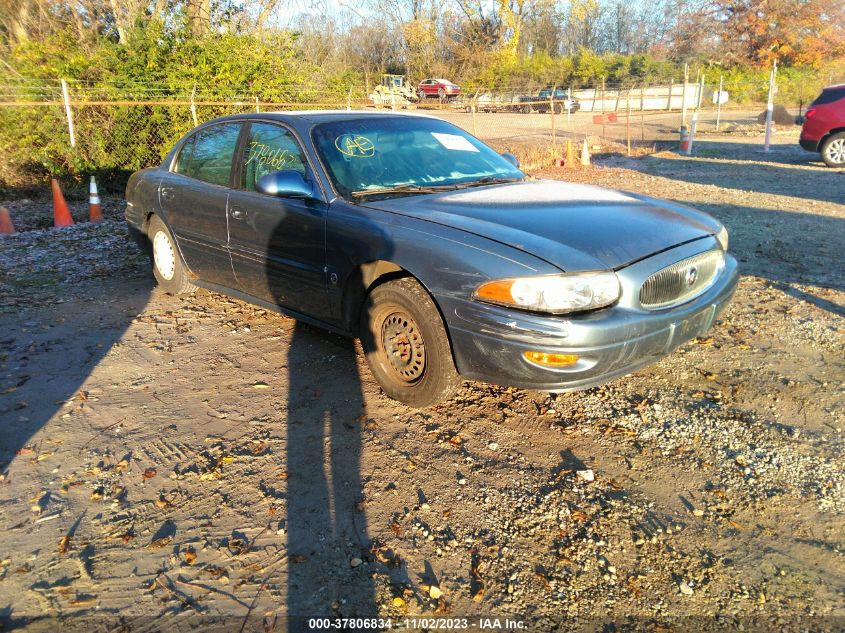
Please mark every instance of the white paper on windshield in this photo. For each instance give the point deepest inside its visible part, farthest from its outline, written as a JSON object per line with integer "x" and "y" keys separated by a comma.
{"x": 454, "y": 141}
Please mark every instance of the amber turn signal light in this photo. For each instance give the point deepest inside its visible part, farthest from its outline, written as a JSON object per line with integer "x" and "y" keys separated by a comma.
{"x": 551, "y": 360}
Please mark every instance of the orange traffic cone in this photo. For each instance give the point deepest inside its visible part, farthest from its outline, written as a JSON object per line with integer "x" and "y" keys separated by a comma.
{"x": 6, "y": 226}
{"x": 61, "y": 212}
{"x": 96, "y": 213}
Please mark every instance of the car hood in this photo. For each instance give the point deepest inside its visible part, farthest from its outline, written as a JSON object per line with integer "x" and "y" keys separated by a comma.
{"x": 573, "y": 226}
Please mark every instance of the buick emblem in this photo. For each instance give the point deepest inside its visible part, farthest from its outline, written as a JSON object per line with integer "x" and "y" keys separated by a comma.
{"x": 691, "y": 275}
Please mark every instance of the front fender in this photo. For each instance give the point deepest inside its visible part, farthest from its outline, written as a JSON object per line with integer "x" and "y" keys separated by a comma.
{"x": 448, "y": 262}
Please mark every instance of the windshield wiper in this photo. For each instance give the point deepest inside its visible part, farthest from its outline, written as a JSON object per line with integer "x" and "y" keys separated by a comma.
{"x": 402, "y": 189}
{"x": 488, "y": 180}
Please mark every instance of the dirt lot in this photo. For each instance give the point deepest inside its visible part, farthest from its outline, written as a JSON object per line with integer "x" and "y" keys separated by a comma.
{"x": 170, "y": 463}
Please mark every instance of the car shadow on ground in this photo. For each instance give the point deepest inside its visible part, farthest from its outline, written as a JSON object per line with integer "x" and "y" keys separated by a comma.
{"x": 46, "y": 362}
{"x": 763, "y": 240}
{"x": 784, "y": 171}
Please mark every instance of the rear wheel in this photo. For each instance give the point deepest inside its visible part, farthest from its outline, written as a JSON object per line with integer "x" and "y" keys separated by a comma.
{"x": 169, "y": 269}
{"x": 833, "y": 150}
{"x": 406, "y": 344}
{"x": 526, "y": 109}
{"x": 441, "y": 93}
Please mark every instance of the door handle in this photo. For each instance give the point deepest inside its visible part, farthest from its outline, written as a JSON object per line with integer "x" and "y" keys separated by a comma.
{"x": 237, "y": 214}
{"x": 166, "y": 193}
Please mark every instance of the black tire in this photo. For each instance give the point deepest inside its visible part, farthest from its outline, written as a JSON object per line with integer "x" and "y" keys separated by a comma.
{"x": 441, "y": 93}
{"x": 833, "y": 150}
{"x": 169, "y": 270}
{"x": 526, "y": 109}
{"x": 406, "y": 344}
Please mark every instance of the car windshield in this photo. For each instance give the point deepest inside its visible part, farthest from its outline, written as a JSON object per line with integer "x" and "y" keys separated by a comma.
{"x": 402, "y": 155}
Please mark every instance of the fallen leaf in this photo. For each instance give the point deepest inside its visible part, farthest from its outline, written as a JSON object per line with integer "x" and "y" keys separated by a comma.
{"x": 260, "y": 385}
{"x": 190, "y": 557}
{"x": 149, "y": 473}
{"x": 64, "y": 544}
{"x": 298, "y": 558}
{"x": 161, "y": 542}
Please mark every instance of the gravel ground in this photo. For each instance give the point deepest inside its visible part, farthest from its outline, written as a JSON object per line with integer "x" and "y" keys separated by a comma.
{"x": 170, "y": 463}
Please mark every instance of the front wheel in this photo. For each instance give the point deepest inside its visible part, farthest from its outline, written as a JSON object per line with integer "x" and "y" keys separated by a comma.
{"x": 169, "y": 269}
{"x": 833, "y": 150}
{"x": 406, "y": 344}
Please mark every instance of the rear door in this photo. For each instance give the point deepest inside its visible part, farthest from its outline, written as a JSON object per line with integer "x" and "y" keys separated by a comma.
{"x": 194, "y": 196}
{"x": 277, "y": 244}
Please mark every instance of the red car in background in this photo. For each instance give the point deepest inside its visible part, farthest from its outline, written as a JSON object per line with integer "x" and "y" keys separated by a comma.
{"x": 824, "y": 126}
{"x": 440, "y": 88}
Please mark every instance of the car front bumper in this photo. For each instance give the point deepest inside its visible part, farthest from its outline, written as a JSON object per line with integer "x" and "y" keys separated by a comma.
{"x": 489, "y": 341}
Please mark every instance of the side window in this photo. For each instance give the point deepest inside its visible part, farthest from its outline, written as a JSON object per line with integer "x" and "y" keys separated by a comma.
{"x": 269, "y": 148}
{"x": 183, "y": 159}
{"x": 213, "y": 149}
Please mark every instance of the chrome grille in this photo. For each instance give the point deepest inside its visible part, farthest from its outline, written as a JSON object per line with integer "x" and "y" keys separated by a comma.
{"x": 682, "y": 280}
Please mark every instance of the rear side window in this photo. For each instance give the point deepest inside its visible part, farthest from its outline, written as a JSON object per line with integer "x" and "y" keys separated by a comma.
{"x": 829, "y": 96}
{"x": 210, "y": 154}
{"x": 183, "y": 159}
{"x": 269, "y": 148}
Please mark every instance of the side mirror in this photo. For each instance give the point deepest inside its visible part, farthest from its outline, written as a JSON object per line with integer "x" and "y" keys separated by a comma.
{"x": 513, "y": 160}
{"x": 285, "y": 184}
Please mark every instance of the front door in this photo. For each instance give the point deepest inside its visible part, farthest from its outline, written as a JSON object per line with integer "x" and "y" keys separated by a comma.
{"x": 277, "y": 244}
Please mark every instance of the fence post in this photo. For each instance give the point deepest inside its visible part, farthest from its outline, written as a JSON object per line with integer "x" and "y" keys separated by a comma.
{"x": 569, "y": 108}
{"x": 602, "y": 94}
{"x": 194, "y": 106}
{"x": 770, "y": 105}
{"x": 349, "y": 98}
{"x": 68, "y": 113}
{"x": 684, "y": 96}
{"x": 552, "y": 110}
{"x": 671, "y": 88}
{"x": 628, "y": 120}
{"x": 719, "y": 102}
{"x": 473, "y": 108}
{"x": 257, "y": 106}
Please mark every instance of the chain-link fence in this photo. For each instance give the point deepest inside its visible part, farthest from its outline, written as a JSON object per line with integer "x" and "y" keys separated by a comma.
{"x": 71, "y": 130}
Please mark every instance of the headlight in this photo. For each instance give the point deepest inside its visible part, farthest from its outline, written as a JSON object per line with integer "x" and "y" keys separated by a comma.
{"x": 722, "y": 236}
{"x": 557, "y": 294}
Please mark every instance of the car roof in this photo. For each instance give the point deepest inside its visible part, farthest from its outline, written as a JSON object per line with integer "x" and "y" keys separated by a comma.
{"x": 318, "y": 116}
{"x": 834, "y": 87}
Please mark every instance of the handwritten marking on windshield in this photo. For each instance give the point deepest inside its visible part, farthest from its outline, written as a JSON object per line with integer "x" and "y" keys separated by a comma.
{"x": 355, "y": 146}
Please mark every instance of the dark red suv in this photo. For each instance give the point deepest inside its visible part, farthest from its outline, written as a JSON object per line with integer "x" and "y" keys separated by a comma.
{"x": 824, "y": 126}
